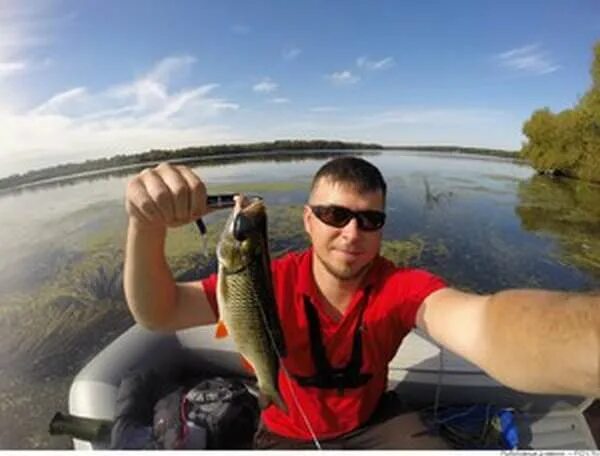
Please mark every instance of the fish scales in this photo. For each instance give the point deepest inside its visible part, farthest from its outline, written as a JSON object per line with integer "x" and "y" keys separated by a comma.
{"x": 245, "y": 295}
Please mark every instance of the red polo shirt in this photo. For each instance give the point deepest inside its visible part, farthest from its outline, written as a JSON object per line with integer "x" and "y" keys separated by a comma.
{"x": 391, "y": 307}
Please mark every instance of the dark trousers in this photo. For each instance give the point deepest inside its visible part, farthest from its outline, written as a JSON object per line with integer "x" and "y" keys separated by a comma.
{"x": 391, "y": 427}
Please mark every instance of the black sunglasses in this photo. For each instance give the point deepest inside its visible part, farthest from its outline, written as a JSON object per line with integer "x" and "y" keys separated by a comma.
{"x": 340, "y": 216}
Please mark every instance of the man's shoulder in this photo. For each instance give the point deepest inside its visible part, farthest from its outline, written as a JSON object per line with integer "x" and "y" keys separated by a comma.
{"x": 293, "y": 260}
{"x": 396, "y": 275}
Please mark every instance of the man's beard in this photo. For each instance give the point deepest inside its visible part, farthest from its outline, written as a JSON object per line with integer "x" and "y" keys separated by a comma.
{"x": 345, "y": 274}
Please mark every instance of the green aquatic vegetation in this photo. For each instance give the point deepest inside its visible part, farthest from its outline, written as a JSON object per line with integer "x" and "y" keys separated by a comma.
{"x": 440, "y": 250}
{"x": 403, "y": 252}
{"x": 187, "y": 251}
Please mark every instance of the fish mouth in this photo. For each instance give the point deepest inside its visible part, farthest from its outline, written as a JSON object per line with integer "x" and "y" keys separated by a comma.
{"x": 246, "y": 203}
{"x": 246, "y": 219}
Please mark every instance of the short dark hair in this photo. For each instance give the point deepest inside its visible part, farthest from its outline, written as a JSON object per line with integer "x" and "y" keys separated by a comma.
{"x": 353, "y": 171}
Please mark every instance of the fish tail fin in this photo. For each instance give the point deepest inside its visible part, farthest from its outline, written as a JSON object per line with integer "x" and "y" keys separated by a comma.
{"x": 267, "y": 398}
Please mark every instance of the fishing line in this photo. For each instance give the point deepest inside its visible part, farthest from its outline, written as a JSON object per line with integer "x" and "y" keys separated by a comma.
{"x": 313, "y": 435}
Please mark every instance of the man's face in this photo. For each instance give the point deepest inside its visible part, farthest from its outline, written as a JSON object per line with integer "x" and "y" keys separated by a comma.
{"x": 344, "y": 252}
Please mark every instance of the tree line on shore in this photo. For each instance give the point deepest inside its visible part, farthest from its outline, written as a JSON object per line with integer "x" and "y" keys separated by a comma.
{"x": 223, "y": 152}
{"x": 568, "y": 143}
{"x": 158, "y": 155}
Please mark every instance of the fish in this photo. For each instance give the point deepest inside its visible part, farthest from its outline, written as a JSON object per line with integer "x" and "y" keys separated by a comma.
{"x": 247, "y": 308}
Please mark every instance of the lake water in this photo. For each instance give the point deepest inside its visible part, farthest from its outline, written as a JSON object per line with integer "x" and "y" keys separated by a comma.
{"x": 484, "y": 224}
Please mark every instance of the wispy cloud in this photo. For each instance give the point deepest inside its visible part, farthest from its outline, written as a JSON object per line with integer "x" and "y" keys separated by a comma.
{"x": 265, "y": 86}
{"x": 12, "y": 68}
{"x": 344, "y": 77}
{"x": 25, "y": 26}
{"x": 291, "y": 54}
{"x": 57, "y": 103}
{"x": 530, "y": 59}
{"x": 279, "y": 100}
{"x": 374, "y": 65}
{"x": 143, "y": 113}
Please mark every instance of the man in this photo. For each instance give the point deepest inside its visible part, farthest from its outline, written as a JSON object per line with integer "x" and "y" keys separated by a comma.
{"x": 345, "y": 310}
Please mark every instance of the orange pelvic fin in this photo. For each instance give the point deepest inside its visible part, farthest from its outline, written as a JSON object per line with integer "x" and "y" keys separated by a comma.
{"x": 221, "y": 330}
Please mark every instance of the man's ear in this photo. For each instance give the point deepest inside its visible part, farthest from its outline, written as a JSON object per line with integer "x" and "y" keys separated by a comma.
{"x": 306, "y": 218}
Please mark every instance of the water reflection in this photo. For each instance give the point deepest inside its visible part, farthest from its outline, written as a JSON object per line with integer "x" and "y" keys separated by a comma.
{"x": 569, "y": 211}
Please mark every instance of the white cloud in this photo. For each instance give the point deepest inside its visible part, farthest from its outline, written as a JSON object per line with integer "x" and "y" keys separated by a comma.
{"x": 291, "y": 54}
{"x": 265, "y": 86}
{"x": 527, "y": 59}
{"x": 279, "y": 100}
{"x": 133, "y": 116}
{"x": 12, "y": 68}
{"x": 343, "y": 78}
{"x": 374, "y": 65}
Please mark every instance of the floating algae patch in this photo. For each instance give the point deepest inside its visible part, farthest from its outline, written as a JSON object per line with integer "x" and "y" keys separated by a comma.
{"x": 49, "y": 334}
{"x": 403, "y": 252}
{"x": 40, "y": 254}
{"x": 286, "y": 229}
{"x": 190, "y": 257}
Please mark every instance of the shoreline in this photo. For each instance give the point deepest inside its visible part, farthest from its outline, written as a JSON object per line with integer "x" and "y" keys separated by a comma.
{"x": 266, "y": 154}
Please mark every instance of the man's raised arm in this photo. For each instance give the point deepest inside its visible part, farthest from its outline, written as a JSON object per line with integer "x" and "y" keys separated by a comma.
{"x": 156, "y": 199}
{"x": 531, "y": 340}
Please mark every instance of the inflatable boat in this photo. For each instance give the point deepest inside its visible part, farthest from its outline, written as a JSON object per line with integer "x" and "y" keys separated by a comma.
{"x": 421, "y": 373}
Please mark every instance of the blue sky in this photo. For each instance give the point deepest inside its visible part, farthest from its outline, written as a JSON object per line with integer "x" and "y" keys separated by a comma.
{"x": 86, "y": 79}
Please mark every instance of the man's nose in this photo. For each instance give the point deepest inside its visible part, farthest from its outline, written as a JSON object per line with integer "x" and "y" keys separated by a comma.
{"x": 351, "y": 229}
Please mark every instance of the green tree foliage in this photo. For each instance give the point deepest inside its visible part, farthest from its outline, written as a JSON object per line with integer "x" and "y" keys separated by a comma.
{"x": 568, "y": 143}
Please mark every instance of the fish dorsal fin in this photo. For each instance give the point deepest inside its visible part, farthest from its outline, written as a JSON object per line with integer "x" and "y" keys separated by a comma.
{"x": 221, "y": 330}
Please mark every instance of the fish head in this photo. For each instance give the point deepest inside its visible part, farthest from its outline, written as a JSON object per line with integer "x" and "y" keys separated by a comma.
{"x": 244, "y": 236}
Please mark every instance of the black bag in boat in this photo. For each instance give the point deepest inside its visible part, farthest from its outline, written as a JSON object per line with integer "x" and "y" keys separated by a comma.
{"x": 217, "y": 413}
{"x": 183, "y": 412}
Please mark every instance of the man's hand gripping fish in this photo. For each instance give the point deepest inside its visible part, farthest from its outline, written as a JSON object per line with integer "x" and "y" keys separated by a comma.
{"x": 245, "y": 296}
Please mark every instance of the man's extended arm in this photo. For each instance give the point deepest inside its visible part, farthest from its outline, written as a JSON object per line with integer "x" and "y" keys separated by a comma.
{"x": 156, "y": 199}
{"x": 531, "y": 340}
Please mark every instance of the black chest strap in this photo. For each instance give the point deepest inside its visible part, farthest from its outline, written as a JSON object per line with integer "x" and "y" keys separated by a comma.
{"x": 327, "y": 376}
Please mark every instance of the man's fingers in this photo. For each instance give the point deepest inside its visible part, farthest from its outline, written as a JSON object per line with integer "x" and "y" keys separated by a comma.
{"x": 166, "y": 195}
{"x": 160, "y": 195}
{"x": 178, "y": 189}
{"x": 197, "y": 198}
{"x": 140, "y": 204}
